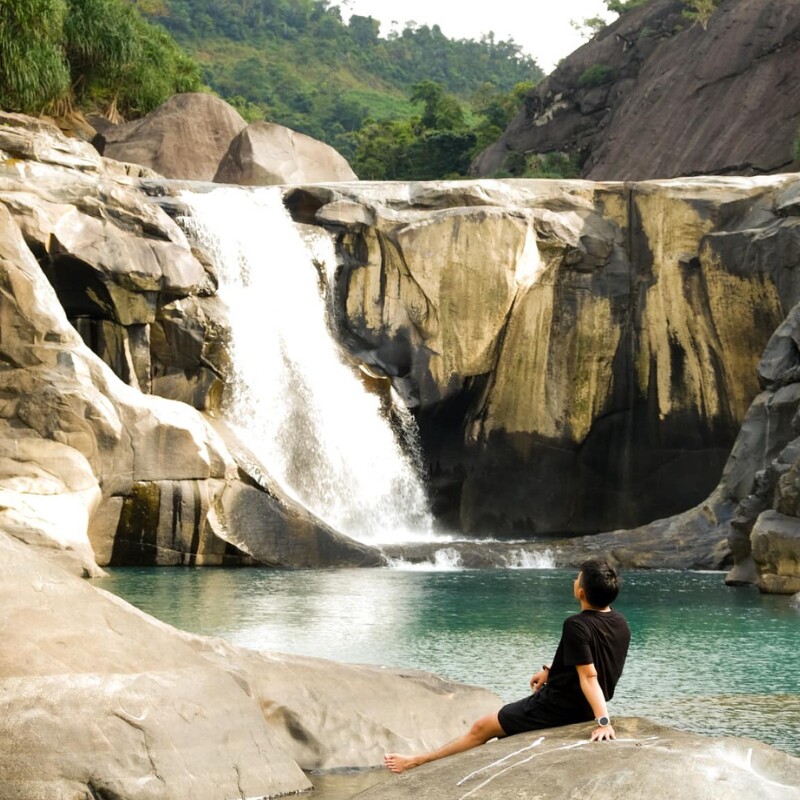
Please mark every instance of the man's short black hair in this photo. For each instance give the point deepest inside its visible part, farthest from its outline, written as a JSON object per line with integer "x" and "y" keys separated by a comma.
{"x": 599, "y": 582}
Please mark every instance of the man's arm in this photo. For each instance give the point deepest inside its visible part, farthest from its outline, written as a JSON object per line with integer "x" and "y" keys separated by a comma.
{"x": 587, "y": 675}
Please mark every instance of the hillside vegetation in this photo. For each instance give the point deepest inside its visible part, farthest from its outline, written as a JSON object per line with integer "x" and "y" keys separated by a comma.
{"x": 60, "y": 55}
{"x": 413, "y": 104}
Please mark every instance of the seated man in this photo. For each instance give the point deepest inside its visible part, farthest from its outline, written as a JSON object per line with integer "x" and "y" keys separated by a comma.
{"x": 574, "y": 688}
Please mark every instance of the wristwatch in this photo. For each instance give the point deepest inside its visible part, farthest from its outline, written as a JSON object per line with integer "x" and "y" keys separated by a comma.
{"x": 603, "y": 721}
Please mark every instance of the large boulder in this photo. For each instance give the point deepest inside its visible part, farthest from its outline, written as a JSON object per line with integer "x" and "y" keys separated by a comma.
{"x": 184, "y": 138}
{"x": 100, "y": 700}
{"x": 625, "y": 107}
{"x": 646, "y": 760}
{"x": 97, "y": 701}
{"x": 776, "y": 550}
{"x": 265, "y": 154}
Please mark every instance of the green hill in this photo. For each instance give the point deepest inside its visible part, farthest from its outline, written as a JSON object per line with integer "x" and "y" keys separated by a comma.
{"x": 297, "y": 63}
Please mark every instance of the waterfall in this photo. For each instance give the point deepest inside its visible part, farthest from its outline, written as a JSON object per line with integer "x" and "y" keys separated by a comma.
{"x": 295, "y": 403}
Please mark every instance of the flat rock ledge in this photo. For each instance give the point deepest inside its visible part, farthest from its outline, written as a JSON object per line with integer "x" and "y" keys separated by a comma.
{"x": 646, "y": 760}
{"x": 99, "y": 701}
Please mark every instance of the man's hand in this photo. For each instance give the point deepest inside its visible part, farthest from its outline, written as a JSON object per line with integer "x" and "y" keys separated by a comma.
{"x": 539, "y": 680}
{"x": 603, "y": 732}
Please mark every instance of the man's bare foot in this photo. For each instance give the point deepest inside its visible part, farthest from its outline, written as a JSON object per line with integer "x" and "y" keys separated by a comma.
{"x": 396, "y": 763}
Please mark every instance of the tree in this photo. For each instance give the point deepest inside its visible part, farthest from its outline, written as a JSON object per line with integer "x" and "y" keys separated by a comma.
{"x": 364, "y": 30}
{"x": 622, "y": 6}
{"x": 440, "y": 154}
{"x": 589, "y": 26}
{"x": 55, "y": 54}
{"x": 442, "y": 111}
{"x": 495, "y": 110}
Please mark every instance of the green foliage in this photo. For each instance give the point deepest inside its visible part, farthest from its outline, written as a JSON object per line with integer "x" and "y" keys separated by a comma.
{"x": 597, "y": 75}
{"x": 33, "y": 70}
{"x": 540, "y": 165}
{"x": 700, "y": 10}
{"x": 442, "y": 111}
{"x": 622, "y": 6}
{"x": 439, "y": 143}
{"x": 93, "y": 53}
{"x": 305, "y": 68}
{"x": 589, "y": 26}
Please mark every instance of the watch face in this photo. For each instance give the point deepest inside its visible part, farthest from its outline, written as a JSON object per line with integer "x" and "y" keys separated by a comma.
{"x": 603, "y": 721}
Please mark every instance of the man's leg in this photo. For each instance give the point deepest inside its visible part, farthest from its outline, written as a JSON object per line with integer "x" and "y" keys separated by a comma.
{"x": 481, "y": 731}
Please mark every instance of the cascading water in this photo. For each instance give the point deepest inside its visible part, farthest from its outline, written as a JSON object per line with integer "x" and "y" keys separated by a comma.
{"x": 299, "y": 408}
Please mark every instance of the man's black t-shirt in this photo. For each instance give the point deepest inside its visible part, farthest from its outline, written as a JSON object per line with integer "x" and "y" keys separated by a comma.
{"x": 591, "y": 637}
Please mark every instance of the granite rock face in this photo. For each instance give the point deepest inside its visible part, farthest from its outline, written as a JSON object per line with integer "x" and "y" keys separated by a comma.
{"x": 775, "y": 544}
{"x": 580, "y": 356}
{"x": 100, "y": 700}
{"x": 571, "y": 349}
{"x": 266, "y": 154}
{"x": 641, "y": 762}
{"x": 627, "y": 107}
{"x": 184, "y": 138}
{"x": 105, "y": 305}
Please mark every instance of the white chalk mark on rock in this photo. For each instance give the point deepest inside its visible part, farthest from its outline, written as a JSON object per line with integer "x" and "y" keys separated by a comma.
{"x": 519, "y": 764}
{"x": 501, "y": 760}
{"x": 748, "y": 765}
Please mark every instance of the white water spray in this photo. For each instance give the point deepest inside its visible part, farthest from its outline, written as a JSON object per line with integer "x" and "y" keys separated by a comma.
{"x": 527, "y": 559}
{"x": 294, "y": 402}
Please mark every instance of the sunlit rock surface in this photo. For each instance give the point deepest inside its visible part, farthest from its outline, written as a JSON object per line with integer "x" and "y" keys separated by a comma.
{"x": 100, "y": 700}
{"x": 185, "y": 137}
{"x": 93, "y": 463}
{"x": 646, "y": 760}
{"x": 267, "y": 154}
{"x": 581, "y": 355}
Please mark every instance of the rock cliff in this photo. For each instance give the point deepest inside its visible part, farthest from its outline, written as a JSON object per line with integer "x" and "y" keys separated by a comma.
{"x": 656, "y": 96}
{"x": 578, "y": 354}
{"x": 104, "y": 308}
{"x": 581, "y": 355}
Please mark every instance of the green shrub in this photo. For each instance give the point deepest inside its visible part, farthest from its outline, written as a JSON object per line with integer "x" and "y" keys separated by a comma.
{"x": 33, "y": 70}
{"x": 96, "y": 54}
{"x": 551, "y": 165}
{"x": 700, "y": 10}
{"x": 597, "y": 75}
{"x": 541, "y": 165}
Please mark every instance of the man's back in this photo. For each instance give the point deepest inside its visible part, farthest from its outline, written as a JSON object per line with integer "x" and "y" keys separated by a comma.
{"x": 591, "y": 637}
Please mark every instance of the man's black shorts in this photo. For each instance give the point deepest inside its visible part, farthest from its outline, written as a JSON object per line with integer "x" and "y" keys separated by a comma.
{"x": 532, "y": 713}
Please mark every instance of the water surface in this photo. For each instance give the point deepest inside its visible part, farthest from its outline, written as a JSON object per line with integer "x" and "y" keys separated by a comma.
{"x": 704, "y": 657}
